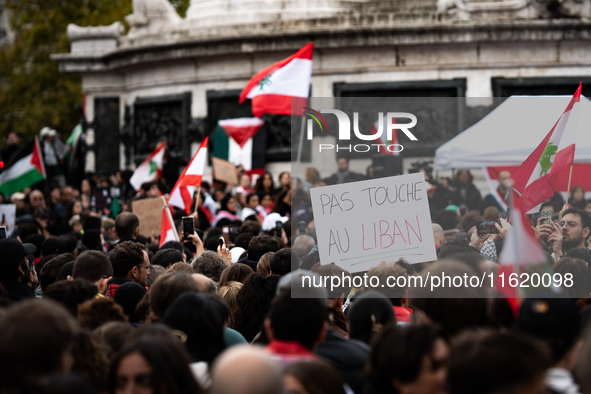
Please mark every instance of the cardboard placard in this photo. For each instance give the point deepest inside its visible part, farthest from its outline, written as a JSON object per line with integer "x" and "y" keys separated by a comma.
{"x": 359, "y": 224}
{"x": 224, "y": 171}
{"x": 149, "y": 212}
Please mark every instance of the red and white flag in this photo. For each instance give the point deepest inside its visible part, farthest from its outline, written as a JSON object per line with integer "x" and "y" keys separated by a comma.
{"x": 521, "y": 251}
{"x": 150, "y": 169}
{"x": 383, "y": 142}
{"x": 272, "y": 89}
{"x": 538, "y": 176}
{"x": 167, "y": 231}
{"x": 181, "y": 195}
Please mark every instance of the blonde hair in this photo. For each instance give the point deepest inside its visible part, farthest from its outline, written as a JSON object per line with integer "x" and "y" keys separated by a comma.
{"x": 182, "y": 267}
{"x": 264, "y": 265}
{"x": 229, "y": 293}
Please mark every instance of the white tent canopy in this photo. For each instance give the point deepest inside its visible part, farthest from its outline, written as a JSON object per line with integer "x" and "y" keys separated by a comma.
{"x": 510, "y": 133}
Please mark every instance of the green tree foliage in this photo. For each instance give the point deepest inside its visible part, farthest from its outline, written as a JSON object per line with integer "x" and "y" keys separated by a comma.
{"x": 33, "y": 93}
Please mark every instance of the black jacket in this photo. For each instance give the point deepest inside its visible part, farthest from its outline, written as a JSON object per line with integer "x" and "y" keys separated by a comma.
{"x": 18, "y": 291}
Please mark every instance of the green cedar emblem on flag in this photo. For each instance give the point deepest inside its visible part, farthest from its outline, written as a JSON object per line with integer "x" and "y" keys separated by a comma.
{"x": 545, "y": 161}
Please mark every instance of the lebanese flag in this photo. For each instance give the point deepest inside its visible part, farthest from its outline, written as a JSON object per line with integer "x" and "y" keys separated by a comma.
{"x": 241, "y": 142}
{"x": 150, "y": 169}
{"x": 273, "y": 88}
{"x": 25, "y": 169}
{"x": 383, "y": 137}
{"x": 182, "y": 192}
{"x": 521, "y": 252}
{"x": 167, "y": 231}
{"x": 539, "y": 175}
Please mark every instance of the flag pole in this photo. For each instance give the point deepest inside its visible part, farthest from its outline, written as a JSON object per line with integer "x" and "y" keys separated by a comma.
{"x": 300, "y": 146}
{"x": 568, "y": 187}
{"x": 197, "y": 198}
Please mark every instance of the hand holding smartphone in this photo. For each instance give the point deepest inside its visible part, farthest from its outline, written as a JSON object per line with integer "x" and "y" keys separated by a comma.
{"x": 188, "y": 226}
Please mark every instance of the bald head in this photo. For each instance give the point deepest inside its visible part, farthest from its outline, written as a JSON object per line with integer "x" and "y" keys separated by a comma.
{"x": 246, "y": 370}
{"x": 437, "y": 234}
{"x": 127, "y": 225}
{"x": 302, "y": 245}
{"x": 205, "y": 284}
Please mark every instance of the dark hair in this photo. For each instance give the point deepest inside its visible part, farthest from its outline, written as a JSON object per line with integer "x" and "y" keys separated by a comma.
{"x": 92, "y": 265}
{"x": 397, "y": 355}
{"x": 98, "y": 311}
{"x": 91, "y": 222}
{"x": 448, "y": 220}
{"x": 125, "y": 225}
{"x": 71, "y": 293}
{"x": 253, "y": 301}
{"x": 370, "y": 311}
{"x": 282, "y": 260}
{"x": 51, "y": 269}
{"x": 167, "y": 288}
{"x": 260, "y": 188}
{"x": 172, "y": 245}
{"x": 209, "y": 264}
{"x": 237, "y": 272}
{"x": 242, "y": 240}
{"x": 580, "y": 253}
{"x": 66, "y": 244}
{"x": 49, "y": 246}
{"x": 198, "y": 316}
{"x": 585, "y": 218}
{"x": 66, "y": 270}
{"x": 317, "y": 377}
{"x": 260, "y": 245}
{"x": 578, "y": 269}
{"x": 37, "y": 240}
{"x": 114, "y": 335}
{"x": 92, "y": 239}
{"x": 250, "y": 226}
{"x": 167, "y": 257}
{"x": 26, "y": 229}
{"x": 250, "y": 196}
{"x": 168, "y": 360}
{"x": 44, "y": 260}
{"x": 469, "y": 220}
{"x": 124, "y": 257}
{"x": 297, "y": 319}
{"x": 35, "y": 336}
{"x": 453, "y": 247}
{"x": 492, "y": 362}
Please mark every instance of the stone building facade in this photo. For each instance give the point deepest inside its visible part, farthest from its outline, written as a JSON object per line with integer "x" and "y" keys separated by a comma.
{"x": 178, "y": 76}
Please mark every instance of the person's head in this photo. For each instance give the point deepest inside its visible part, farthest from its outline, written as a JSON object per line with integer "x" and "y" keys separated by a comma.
{"x": 229, "y": 293}
{"x": 67, "y": 243}
{"x": 260, "y": 245}
{"x": 36, "y": 200}
{"x": 577, "y": 269}
{"x": 343, "y": 164}
{"x": 370, "y": 312}
{"x": 249, "y": 227}
{"x": 245, "y": 181}
{"x": 555, "y": 321}
{"x": 504, "y": 176}
{"x": 95, "y": 267}
{"x": 577, "y": 193}
{"x": 15, "y": 265}
{"x": 410, "y": 359}
{"x": 469, "y": 220}
{"x": 576, "y": 227}
{"x": 245, "y": 370}
{"x": 464, "y": 177}
{"x": 182, "y": 267}
{"x": 252, "y": 200}
{"x": 447, "y": 219}
{"x": 491, "y": 214}
{"x": 130, "y": 261}
{"x": 98, "y": 311}
{"x": 253, "y": 302}
{"x": 204, "y": 284}
{"x": 167, "y": 257}
{"x": 437, "y": 234}
{"x": 35, "y": 338}
{"x": 312, "y": 377}
{"x": 237, "y": 272}
{"x": 243, "y": 239}
{"x": 91, "y": 239}
{"x": 302, "y": 245}
{"x": 37, "y": 241}
{"x": 209, "y": 264}
{"x": 197, "y": 315}
{"x": 266, "y": 201}
{"x": 71, "y": 293}
{"x": 151, "y": 189}
{"x": 155, "y": 365}
{"x": 490, "y": 362}
{"x": 264, "y": 265}
{"x": 228, "y": 203}
{"x": 52, "y": 268}
{"x": 127, "y": 225}
{"x": 452, "y": 248}
{"x": 167, "y": 288}
{"x": 265, "y": 183}
{"x": 301, "y": 320}
{"x": 282, "y": 261}
{"x": 388, "y": 274}
{"x": 129, "y": 295}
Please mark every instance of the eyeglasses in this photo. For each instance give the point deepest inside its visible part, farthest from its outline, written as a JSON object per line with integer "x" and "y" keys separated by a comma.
{"x": 570, "y": 224}
{"x": 148, "y": 267}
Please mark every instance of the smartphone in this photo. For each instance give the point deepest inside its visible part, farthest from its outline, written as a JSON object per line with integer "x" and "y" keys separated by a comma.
{"x": 222, "y": 242}
{"x": 188, "y": 226}
{"x": 487, "y": 227}
{"x": 463, "y": 210}
{"x": 2, "y": 232}
{"x": 548, "y": 214}
{"x": 302, "y": 227}
{"x": 278, "y": 226}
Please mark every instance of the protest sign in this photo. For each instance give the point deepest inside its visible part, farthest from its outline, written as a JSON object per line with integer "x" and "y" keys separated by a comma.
{"x": 224, "y": 171}
{"x": 8, "y": 215}
{"x": 149, "y": 212}
{"x": 359, "y": 224}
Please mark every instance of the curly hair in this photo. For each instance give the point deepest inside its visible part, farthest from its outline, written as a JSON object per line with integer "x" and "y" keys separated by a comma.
{"x": 124, "y": 257}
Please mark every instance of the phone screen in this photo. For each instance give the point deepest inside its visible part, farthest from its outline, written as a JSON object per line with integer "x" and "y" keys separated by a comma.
{"x": 188, "y": 226}
{"x": 2, "y": 232}
{"x": 486, "y": 227}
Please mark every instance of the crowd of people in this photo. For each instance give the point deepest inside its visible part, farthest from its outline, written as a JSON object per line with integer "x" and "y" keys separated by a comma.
{"x": 90, "y": 304}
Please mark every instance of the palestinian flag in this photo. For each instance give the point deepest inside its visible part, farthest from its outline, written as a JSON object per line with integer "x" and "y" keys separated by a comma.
{"x": 24, "y": 170}
{"x": 150, "y": 169}
{"x": 241, "y": 142}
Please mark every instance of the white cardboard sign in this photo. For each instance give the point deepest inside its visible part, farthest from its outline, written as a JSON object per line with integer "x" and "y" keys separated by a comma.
{"x": 9, "y": 212}
{"x": 359, "y": 224}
